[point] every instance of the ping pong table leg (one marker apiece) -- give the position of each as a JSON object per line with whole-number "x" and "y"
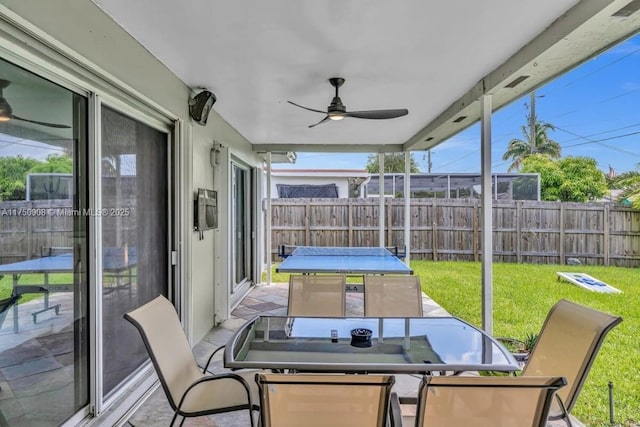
{"x": 46, "y": 294}
{"x": 15, "y": 306}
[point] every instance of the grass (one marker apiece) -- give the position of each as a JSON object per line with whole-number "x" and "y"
{"x": 6, "y": 284}
{"x": 522, "y": 296}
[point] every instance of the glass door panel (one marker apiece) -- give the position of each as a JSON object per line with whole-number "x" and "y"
{"x": 44, "y": 341}
{"x": 135, "y": 241}
{"x": 241, "y": 226}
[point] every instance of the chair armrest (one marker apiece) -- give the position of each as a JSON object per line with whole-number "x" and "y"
{"x": 204, "y": 370}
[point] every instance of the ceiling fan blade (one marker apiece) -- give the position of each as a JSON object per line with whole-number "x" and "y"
{"x": 51, "y": 125}
{"x": 377, "y": 114}
{"x": 306, "y": 108}
{"x": 320, "y": 122}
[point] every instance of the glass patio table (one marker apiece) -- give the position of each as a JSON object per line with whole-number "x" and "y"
{"x": 395, "y": 345}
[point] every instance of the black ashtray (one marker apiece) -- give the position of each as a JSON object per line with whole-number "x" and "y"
{"x": 361, "y": 337}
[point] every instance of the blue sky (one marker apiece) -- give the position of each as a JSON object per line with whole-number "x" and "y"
{"x": 594, "y": 107}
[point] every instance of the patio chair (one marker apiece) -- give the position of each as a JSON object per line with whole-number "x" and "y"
{"x": 567, "y": 345}
{"x": 289, "y": 400}
{"x": 317, "y": 295}
{"x": 454, "y": 401}
{"x": 190, "y": 392}
{"x": 392, "y": 296}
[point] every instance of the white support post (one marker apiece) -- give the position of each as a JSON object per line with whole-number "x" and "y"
{"x": 381, "y": 194}
{"x": 268, "y": 219}
{"x": 407, "y": 206}
{"x": 487, "y": 209}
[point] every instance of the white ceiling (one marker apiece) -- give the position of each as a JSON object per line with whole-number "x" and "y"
{"x": 433, "y": 58}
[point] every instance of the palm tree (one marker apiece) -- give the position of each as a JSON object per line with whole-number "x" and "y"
{"x": 629, "y": 182}
{"x": 540, "y": 143}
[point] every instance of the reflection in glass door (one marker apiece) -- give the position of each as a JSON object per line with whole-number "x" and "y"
{"x": 135, "y": 241}
{"x": 241, "y": 226}
{"x": 44, "y": 339}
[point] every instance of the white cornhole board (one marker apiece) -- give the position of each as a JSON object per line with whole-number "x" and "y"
{"x": 587, "y": 282}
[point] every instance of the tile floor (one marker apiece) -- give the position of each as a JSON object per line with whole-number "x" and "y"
{"x": 262, "y": 299}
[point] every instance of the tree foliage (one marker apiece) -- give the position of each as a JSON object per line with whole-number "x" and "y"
{"x": 629, "y": 183}
{"x": 571, "y": 179}
{"x": 540, "y": 143}
{"x": 56, "y": 163}
{"x": 393, "y": 162}
{"x": 14, "y": 170}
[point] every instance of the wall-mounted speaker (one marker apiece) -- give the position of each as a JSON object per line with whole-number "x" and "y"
{"x": 200, "y": 105}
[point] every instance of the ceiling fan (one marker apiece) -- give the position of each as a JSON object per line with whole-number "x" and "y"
{"x": 6, "y": 112}
{"x": 338, "y": 111}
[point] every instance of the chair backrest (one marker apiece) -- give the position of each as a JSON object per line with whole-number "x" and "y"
{"x": 317, "y": 295}
{"x": 567, "y": 345}
{"x": 457, "y": 401}
{"x": 288, "y": 400}
{"x": 392, "y": 296}
{"x": 168, "y": 347}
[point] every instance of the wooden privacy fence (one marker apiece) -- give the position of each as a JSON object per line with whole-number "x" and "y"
{"x": 450, "y": 229}
{"x": 28, "y": 229}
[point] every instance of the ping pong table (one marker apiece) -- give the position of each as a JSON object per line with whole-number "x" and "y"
{"x": 116, "y": 261}
{"x": 342, "y": 260}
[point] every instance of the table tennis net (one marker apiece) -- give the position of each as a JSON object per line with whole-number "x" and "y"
{"x": 337, "y": 251}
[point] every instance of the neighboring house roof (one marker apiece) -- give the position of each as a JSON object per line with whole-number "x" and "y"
{"x": 347, "y": 173}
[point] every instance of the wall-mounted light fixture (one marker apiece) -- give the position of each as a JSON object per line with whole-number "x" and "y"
{"x": 214, "y": 155}
{"x": 283, "y": 156}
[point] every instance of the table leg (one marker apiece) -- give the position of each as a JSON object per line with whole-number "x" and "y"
{"x": 46, "y": 294}
{"x": 15, "y": 306}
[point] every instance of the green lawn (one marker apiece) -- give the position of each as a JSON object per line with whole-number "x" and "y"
{"x": 523, "y": 294}
{"x": 6, "y": 283}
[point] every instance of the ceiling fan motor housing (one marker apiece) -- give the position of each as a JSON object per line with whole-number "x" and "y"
{"x": 336, "y": 106}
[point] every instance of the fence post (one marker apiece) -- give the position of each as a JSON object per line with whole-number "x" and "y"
{"x": 561, "y": 242}
{"x": 605, "y": 244}
{"x": 434, "y": 229}
{"x": 350, "y": 223}
{"x": 307, "y": 231}
{"x": 476, "y": 231}
{"x": 389, "y": 211}
{"x": 519, "y": 232}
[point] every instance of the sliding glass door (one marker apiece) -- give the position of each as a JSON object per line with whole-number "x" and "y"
{"x": 135, "y": 256}
{"x": 44, "y": 263}
{"x": 242, "y": 242}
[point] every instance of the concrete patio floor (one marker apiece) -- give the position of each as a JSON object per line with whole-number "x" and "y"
{"x": 262, "y": 299}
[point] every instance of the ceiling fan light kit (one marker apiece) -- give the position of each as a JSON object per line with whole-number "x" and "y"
{"x": 338, "y": 111}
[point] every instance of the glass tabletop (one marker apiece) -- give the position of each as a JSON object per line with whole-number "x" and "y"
{"x": 383, "y": 345}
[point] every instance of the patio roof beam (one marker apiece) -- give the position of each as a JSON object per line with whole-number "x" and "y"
{"x": 329, "y": 148}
